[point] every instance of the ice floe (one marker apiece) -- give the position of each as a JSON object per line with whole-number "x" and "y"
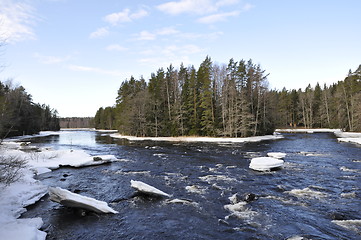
{"x": 74, "y": 200}
{"x": 182, "y": 201}
{"x": 278, "y": 155}
{"x": 147, "y": 189}
{"x": 265, "y": 163}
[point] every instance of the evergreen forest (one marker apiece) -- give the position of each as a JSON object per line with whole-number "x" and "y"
{"x": 20, "y": 116}
{"x": 227, "y": 100}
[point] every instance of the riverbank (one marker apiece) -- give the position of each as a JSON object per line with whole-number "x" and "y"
{"x": 15, "y": 197}
{"x": 199, "y": 139}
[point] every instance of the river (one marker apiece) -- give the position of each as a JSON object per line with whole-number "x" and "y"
{"x": 320, "y": 182}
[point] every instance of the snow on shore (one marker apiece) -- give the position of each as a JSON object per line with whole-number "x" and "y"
{"x": 199, "y": 139}
{"x": 308, "y": 130}
{"x": 350, "y": 137}
{"x": 26, "y": 191}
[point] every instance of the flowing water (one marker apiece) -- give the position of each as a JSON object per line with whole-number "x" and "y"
{"x": 320, "y": 183}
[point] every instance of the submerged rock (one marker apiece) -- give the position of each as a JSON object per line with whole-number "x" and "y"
{"x": 69, "y": 199}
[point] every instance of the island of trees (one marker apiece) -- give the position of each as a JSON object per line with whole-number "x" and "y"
{"x": 231, "y": 100}
{"x": 19, "y": 115}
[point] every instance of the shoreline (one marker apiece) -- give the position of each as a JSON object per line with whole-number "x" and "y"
{"x": 199, "y": 139}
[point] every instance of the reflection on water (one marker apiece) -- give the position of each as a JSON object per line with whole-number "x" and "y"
{"x": 318, "y": 187}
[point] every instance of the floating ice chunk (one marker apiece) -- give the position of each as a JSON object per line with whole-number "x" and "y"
{"x": 147, "y": 189}
{"x": 278, "y": 155}
{"x": 265, "y": 163}
{"x": 183, "y": 201}
{"x": 74, "y": 200}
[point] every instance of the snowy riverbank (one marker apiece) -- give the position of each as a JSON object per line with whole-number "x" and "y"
{"x": 351, "y": 137}
{"x": 199, "y": 139}
{"x": 15, "y": 197}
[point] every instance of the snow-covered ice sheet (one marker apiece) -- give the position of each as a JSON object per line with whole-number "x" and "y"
{"x": 145, "y": 188}
{"x": 75, "y": 200}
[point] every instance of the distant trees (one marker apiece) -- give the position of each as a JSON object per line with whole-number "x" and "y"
{"x": 213, "y": 100}
{"x": 230, "y": 100}
{"x": 335, "y": 106}
{"x": 19, "y": 115}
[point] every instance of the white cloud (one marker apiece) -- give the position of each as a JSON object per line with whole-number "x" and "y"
{"x": 145, "y": 35}
{"x": 115, "y": 47}
{"x": 247, "y": 7}
{"x": 16, "y": 21}
{"x": 199, "y": 7}
{"x": 94, "y": 70}
{"x": 51, "y": 59}
{"x": 218, "y": 17}
{"x": 187, "y": 6}
{"x": 100, "y": 33}
{"x": 125, "y": 16}
{"x": 164, "y": 55}
{"x": 167, "y": 31}
{"x": 140, "y": 14}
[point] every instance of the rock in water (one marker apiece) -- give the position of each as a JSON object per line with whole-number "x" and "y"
{"x": 69, "y": 199}
{"x": 147, "y": 189}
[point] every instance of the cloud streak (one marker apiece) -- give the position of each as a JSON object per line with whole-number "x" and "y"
{"x": 16, "y": 21}
{"x": 219, "y": 17}
{"x": 80, "y": 68}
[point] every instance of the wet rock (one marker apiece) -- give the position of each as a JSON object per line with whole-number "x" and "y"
{"x": 337, "y": 216}
{"x": 249, "y": 197}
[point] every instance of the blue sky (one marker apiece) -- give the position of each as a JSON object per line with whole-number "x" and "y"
{"x": 74, "y": 54}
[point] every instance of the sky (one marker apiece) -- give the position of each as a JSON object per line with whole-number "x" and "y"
{"x": 74, "y": 54}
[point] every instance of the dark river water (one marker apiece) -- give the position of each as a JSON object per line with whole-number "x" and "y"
{"x": 320, "y": 182}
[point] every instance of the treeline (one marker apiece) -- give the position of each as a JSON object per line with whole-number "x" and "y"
{"x": 227, "y": 100}
{"x": 335, "y": 106}
{"x": 213, "y": 100}
{"x": 19, "y": 115}
{"x": 77, "y": 122}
